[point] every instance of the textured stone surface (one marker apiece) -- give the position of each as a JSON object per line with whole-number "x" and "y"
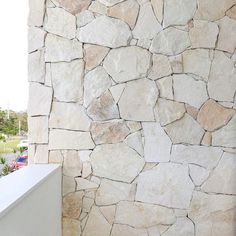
{"x": 84, "y": 17}
{"x": 142, "y": 95}
{"x": 122, "y": 69}
{"x": 98, "y": 8}
{"x": 70, "y": 227}
{"x": 68, "y": 184}
{"x": 36, "y": 12}
{"x": 36, "y": 38}
{"x": 119, "y": 33}
{"x": 84, "y": 184}
{"x": 109, "y": 213}
{"x": 116, "y": 91}
{"x": 110, "y": 2}
{"x": 157, "y": 144}
{"x": 126, "y": 230}
{"x": 158, "y": 9}
{"x": 168, "y": 184}
{"x": 165, "y": 87}
{"x": 74, "y": 6}
{"x": 116, "y": 162}
{"x": 232, "y": 12}
{"x": 198, "y": 174}
{"x": 134, "y": 140}
{"x": 72, "y": 165}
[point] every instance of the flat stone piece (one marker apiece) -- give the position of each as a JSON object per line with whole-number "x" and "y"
{"x": 68, "y": 184}
{"x": 116, "y": 91}
{"x": 170, "y": 41}
{"x": 98, "y": 8}
{"x": 207, "y": 157}
{"x": 185, "y": 130}
{"x": 84, "y": 17}
{"x": 36, "y": 38}
{"x": 145, "y": 214}
{"x": 70, "y": 227}
{"x": 147, "y": 25}
{"x": 60, "y": 22}
{"x": 36, "y": 12}
{"x": 158, "y": 8}
{"x": 168, "y": 184}
{"x": 118, "y": 64}
{"x": 126, "y": 230}
{"x": 72, "y": 165}
{"x": 65, "y": 139}
{"x": 198, "y": 174}
{"x": 109, "y": 213}
{"x": 142, "y": 95}
{"x": 41, "y": 154}
{"x": 157, "y": 144}
{"x": 165, "y": 87}
{"x": 84, "y": 184}
{"x": 74, "y": 6}
{"x": 232, "y": 12}
{"x": 119, "y": 32}
{"x": 67, "y": 80}
{"x": 110, "y": 3}
{"x": 135, "y": 141}
{"x": 116, "y": 162}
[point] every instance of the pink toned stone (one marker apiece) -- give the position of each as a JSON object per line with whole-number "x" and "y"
{"x": 206, "y": 141}
{"x": 192, "y": 111}
{"x": 74, "y": 6}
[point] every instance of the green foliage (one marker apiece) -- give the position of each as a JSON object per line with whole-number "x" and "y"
{"x": 2, "y": 160}
{"x": 7, "y": 169}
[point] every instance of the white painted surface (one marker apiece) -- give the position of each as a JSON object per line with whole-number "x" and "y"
{"x": 30, "y": 202}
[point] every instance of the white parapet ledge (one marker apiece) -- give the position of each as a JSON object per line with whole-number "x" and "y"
{"x": 17, "y": 185}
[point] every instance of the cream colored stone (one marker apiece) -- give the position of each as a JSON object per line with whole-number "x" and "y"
{"x": 207, "y": 157}
{"x": 85, "y": 155}
{"x": 70, "y": 227}
{"x": 65, "y": 139}
{"x": 206, "y": 141}
{"x": 119, "y": 33}
{"x": 62, "y": 49}
{"x": 167, "y": 184}
{"x": 116, "y": 162}
{"x": 36, "y": 38}
{"x": 60, "y": 22}
{"x": 84, "y": 184}
{"x": 198, "y": 174}
{"x": 36, "y": 12}
{"x": 67, "y": 80}
{"x": 197, "y": 62}
{"x": 232, "y": 12}
{"x": 98, "y": 8}
{"x": 141, "y": 96}
{"x": 176, "y": 63}
{"x": 144, "y": 43}
{"x": 134, "y": 126}
{"x": 96, "y": 82}
{"x": 134, "y": 140}
{"x": 158, "y": 7}
{"x": 116, "y": 91}
{"x": 126, "y": 230}
{"x": 192, "y": 111}
{"x": 68, "y": 184}
{"x": 56, "y": 157}
{"x": 72, "y": 165}
{"x": 165, "y": 87}
{"x": 74, "y": 6}
{"x": 170, "y": 41}
{"x": 185, "y": 130}
{"x": 84, "y": 17}
{"x": 48, "y": 76}
{"x": 160, "y": 67}
{"x": 147, "y": 25}
{"x": 109, "y": 213}
{"x": 122, "y": 69}
{"x": 126, "y": 10}
{"x": 41, "y": 154}
{"x": 109, "y": 132}
{"x": 145, "y": 214}
{"x": 86, "y": 170}
{"x": 87, "y": 204}
{"x": 94, "y": 55}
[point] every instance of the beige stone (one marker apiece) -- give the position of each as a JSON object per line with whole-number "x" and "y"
{"x": 36, "y": 38}
{"x": 116, "y": 91}
{"x": 207, "y": 138}
{"x": 74, "y": 6}
{"x": 36, "y": 12}
{"x": 86, "y": 170}
{"x": 126, "y": 230}
{"x": 84, "y": 184}
{"x": 158, "y": 7}
{"x": 109, "y": 132}
{"x": 109, "y": 213}
{"x": 72, "y": 165}
{"x": 70, "y": 227}
{"x": 98, "y": 8}
{"x": 68, "y": 184}
{"x": 198, "y": 174}
{"x": 41, "y": 154}
{"x": 232, "y": 12}
{"x": 110, "y": 3}
{"x": 87, "y": 204}
{"x": 84, "y": 17}
{"x": 213, "y": 116}
{"x": 55, "y": 157}
{"x": 135, "y": 141}
{"x": 176, "y": 63}
{"x": 192, "y": 111}
{"x": 165, "y": 87}
{"x": 134, "y": 126}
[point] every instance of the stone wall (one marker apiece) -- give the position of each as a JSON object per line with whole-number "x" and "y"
{"x": 137, "y": 100}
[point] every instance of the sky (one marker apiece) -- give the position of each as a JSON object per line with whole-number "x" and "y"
{"x": 13, "y": 55}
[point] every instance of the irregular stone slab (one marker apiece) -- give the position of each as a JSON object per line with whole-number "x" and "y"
{"x": 157, "y": 144}
{"x": 116, "y": 91}
{"x": 145, "y": 214}
{"x": 197, "y": 62}
{"x": 126, "y": 230}
{"x": 41, "y": 154}
{"x": 84, "y": 184}
{"x": 70, "y": 227}
{"x": 94, "y": 55}
{"x": 206, "y": 141}
{"x": 168, "y": 111}
{"x": 98, "y": 7}
{"x": 40, "y": 99}
{"x": 74, "y": 6}
{"x": 118, "y": 64}
{"x": 147, "y": 25}
{"x": 158, "y": 7}
{"x": 72, "y": 165}
{"x": 160, "y": 67}
{"x": 65, "y": 139}
{"x": 96, "y": 82}
{"x": 134, "y": 140}
{"x": 70, "y": 116}
{"x": 198, "y": 174}
{"x": 111, "y": 192}
{"x": 222, "y": 83}
{"x": 213, "y": 214}
{"x": 170, "y": 41}
{"x": 119, "y": 33}
{"x": 109, "y": 132}
{"x": 203, "y": 34}
{"x": 36, "y": 38}
{"x": 84, "y": 17}
{"x": 36, "y": 12}
{"x": 226, "y": 40}
{"x": 109, "y": 213}
{"x": 72, "y": 205}
{"x": 116, "y": 162}
{"x": 232, "y": 12}
{"x": 189, "y": 90}
{"x": 212, "y": 10}
{"x": 67, "y": 80}
{"x": 141, "y": 96}
{"x": 110, "y": 3}
{"x": 178, "y": 12}
{"x": 126, "y": 11}
{"x": 38, "y": 129}
{"x": 36, "y": 67}
{"x": 168, "y": 184}
{"x": 60, "y": 22}
{"x": 61, "y": 49}
{"x": 134, "y": 126}
{"x": 87, "y": 169}
{"x": 207, "y": 157}
{"x": 176, "y": 63}
{"x": 222, "y": 177}
{"x": 182, "y": 227}
{"x": 185, "y": 130}
{"x": 213, "y": 116}
{"x": 103, "y": 108}
{"x": 192, "y": 111}
{"x": 165, "y": 87}
{"x": 96, "y": 224}
{"x": 68, "y": 184}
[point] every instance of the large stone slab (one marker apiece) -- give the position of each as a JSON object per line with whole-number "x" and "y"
{"x": 65, "y": 139}
{"x": 198, "y": 174}
{"x": 146, "y": 215}
{"x": 36, "y": 12}
{"x": 118, "y": 64}
{"x": 135, "y": 141}
{"x": 138, "y": 100}
{"x": 72, "y": 166}
{"x": 158, "y": 8}
{"x": 126, "y": 230}
{"x": 67, "y": 80}
{"x": 84, "y": 17}
{"x": 116, "y": 162}
{"x": 157, "y": 144}
{"x": 70, "y": 227}
{"x": 105, "y": 31}
{"x": 165, "y": 87}
{"x": 168, "y": 184}
{"x": 36, "y": 38}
